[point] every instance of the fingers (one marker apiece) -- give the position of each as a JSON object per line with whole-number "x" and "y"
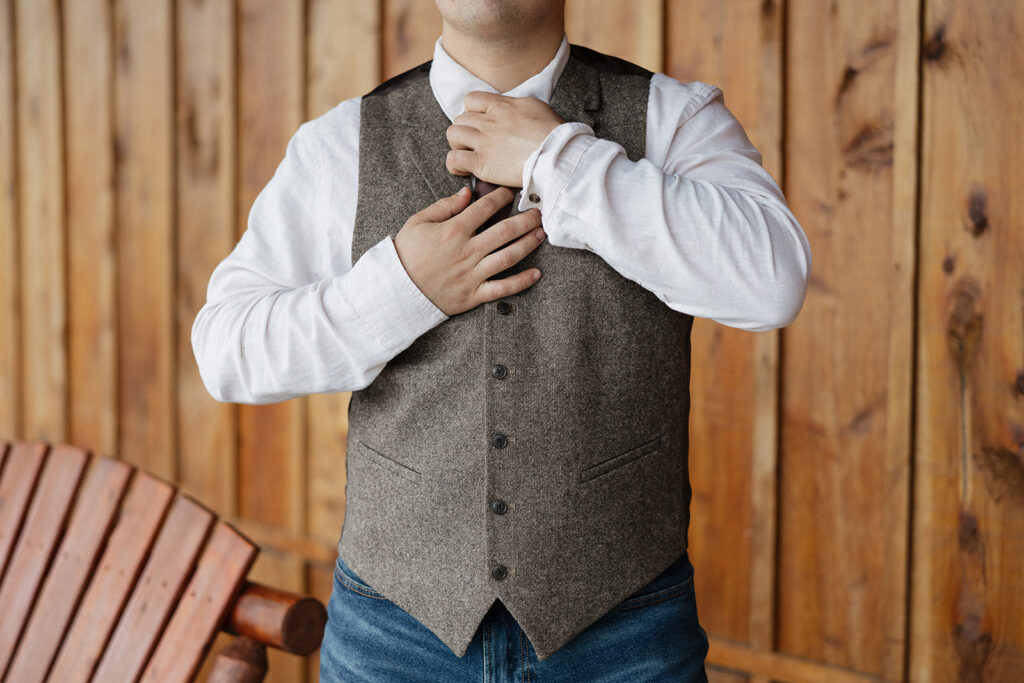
{"x": 504, "y": 259}
{"x": 479, "y": 211}
{"x": 446, "y": 207}
{"x": 489, "y": 290}
{"x": 463, "y": 137}
{"x": 460, "y": 161}
{"x": 478, "y": 100}
{"x": 505, "y": 231}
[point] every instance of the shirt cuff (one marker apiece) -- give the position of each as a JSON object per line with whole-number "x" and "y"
{"x": 386, "y": 299}
{"x": 551, "y": 166}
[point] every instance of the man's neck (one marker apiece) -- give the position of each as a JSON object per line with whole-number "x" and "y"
{"x": 503, "y": 64}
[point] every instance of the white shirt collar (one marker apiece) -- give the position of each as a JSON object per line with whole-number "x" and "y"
{"x": 451, "y": 81}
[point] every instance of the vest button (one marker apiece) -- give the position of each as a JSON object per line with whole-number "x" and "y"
{"x": 504, "y": 307}
{"x": 498, "y": 506}
{"x": 499, "y": 571}
{"x": 499, "y": 371}
{"x": 499, "y": 440}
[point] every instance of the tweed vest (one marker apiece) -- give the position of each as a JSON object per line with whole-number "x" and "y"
{"x": 533, "y": 449}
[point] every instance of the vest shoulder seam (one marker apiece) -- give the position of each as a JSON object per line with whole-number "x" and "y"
{"x": 404, "y": 79}
{"x": 608, "y": 64}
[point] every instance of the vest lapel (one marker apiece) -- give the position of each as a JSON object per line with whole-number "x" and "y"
{"x": 425, "y": 142}
{"x": 577, "y": 94}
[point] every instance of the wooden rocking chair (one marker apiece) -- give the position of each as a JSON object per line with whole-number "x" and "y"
{"x": 113, "y": 577}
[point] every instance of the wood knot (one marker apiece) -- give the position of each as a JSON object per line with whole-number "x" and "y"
{"x": 948, "y": 265}
{"x": 977, "y": 212}
{"x": 935, "y": 46}
{"x": 963, "y": 329}
{"x": 1004, "y": 472}
{"x": 968, "y": 534}
{"x": 1019, "y": 386}
{"x": 848, "y": 77}
{"x": 871, "y": 148}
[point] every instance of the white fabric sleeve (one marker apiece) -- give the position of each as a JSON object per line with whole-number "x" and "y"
{"x": 285, "y": 316}
{"x": 698, "y": 221}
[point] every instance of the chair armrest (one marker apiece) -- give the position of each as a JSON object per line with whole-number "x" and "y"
{"x": 277, "y": 618}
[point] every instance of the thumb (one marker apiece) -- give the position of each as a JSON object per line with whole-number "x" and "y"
{"x": 446, "y": 207}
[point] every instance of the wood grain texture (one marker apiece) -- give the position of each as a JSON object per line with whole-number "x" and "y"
{"x": 91, "y": 521}
{"x": 271, "y": 475}
{"x": 631, "y": 29}
{"x": 44, "y": 524}
{"x": 92, "y": 246}
{"x": 968, "y": 577}
{"x": 734, "y": 382}
{"x": 410, "y": 29}
{"x": 144, "y": 147}
{"x": 111, "y": 584}
{"x": 159, "y": 121}
{"x": 10, "y": 286}
{"x": 157, "y": 592}
{"x": 23, "y": 464}
{"x": 319, "y": 584}
{"x": 284, "y": 571}
{"x": 338, "y": 67}
{"x": 43, "y": 315}
{"x": 218, "y": 576}
{"x": 846, "y": 368}
{"x": 205, "y": 234}
{"x": 343, "y": 54}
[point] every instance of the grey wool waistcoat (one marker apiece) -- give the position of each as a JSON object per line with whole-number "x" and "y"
{"x": 533, "y": 449}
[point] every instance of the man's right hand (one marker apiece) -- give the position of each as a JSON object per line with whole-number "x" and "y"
{"x": 450, "y": 264}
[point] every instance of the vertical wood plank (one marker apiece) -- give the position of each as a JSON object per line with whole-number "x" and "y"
{"x": 968, "y": 578}
{"x": 410, "y": 28}
{"x": 734, "y": 382}
{"x": 285, "y": 571}
{"x": 847, "y": 358}
{"x": 92, "y": 255}
{"x": 41, "y": 208}
{"x": 144, "y": 144}
{"x": 270, "y": 106}
{"x": 343, "y": 52}
{"x": 630, "y": 29}
{"x": 207, "y": 429}
{"x": 10, "y": 337}
{"x": 319, "y": 584}
{"x": 343, "y": 61}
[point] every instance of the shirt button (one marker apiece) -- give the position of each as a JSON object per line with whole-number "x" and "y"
{"x": 534, "y": 198}
{"x": 504, "y": 307}
{"x": 498, "y": 506}
{"x": 499, "y": 440}
{"x": 499, "y": 571}
{"x": 499, "y": 371}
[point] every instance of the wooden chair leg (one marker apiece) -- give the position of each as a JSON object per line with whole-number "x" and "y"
{"x": 241, "y": 661}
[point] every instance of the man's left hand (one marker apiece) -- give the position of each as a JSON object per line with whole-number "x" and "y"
{"x": 496, "y": 135}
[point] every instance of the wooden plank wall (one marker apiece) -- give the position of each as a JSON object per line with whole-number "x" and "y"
{"x": 858, "y": 477}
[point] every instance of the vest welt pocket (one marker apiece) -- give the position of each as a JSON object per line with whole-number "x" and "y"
{"x": 616, "y": 461}
{"x": 387, "y": 463}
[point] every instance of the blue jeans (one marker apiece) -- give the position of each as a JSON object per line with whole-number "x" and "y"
{"x": 653, "y": 635}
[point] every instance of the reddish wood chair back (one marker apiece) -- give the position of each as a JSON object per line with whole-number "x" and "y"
{"x": 108, "y": 572}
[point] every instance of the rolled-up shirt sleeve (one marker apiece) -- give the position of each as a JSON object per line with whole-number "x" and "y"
{"x": 698, "y": 221}
{"x": 282, "y": 319}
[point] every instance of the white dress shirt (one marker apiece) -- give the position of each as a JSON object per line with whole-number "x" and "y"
{"x": 698, "y": 222}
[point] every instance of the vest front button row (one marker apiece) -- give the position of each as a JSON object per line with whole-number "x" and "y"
{"x": 499, "y": 571}
{"x": 498, "y": 506}
{"x": 499, "y": 371}
{"x": 499, "y": 440}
